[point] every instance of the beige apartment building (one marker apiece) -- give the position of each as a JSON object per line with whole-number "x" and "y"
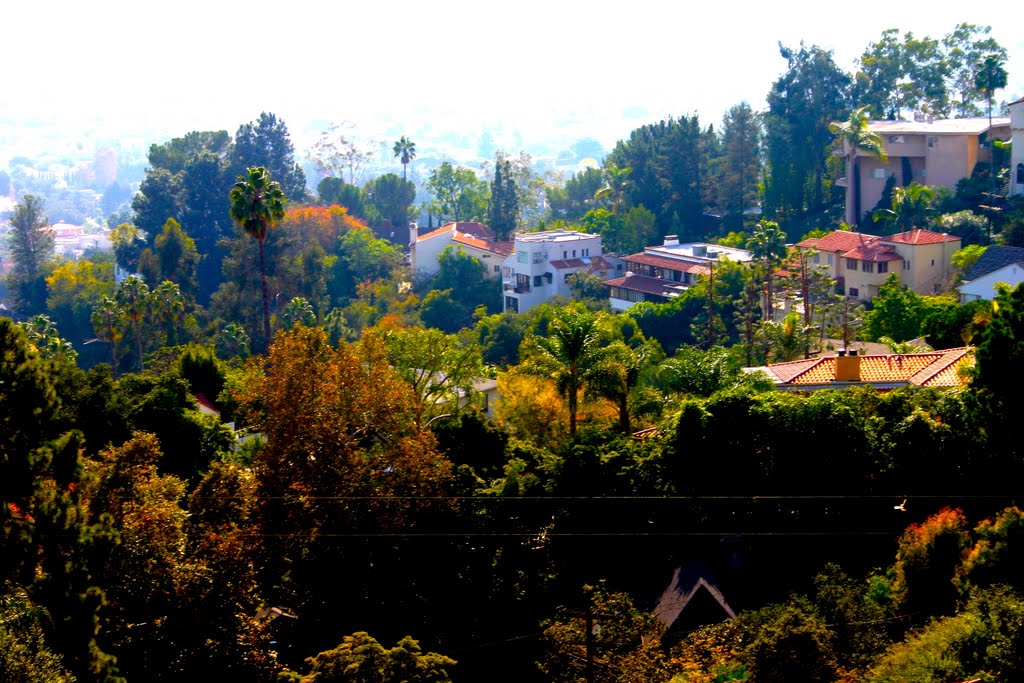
{"x": 938, "y": 153}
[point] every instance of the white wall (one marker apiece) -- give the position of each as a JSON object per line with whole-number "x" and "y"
{"x": 985, "y": 287}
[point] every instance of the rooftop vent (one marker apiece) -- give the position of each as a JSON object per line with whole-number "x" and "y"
{"x": 671, "y": 240}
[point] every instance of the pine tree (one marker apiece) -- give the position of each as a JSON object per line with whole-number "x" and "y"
{"x": 503, "y": 215}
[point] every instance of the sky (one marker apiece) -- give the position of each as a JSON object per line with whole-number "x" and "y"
{"x": 543, "y": 69}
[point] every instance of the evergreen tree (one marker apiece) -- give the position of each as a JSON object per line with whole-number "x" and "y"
{"x": 266, "y": 143}
{"x": 503, "y": 213}
{"x": 31, "y": 248}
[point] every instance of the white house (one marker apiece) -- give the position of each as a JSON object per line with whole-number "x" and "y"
{"x": 476, "y": 239}
{"x": 541, "y": 263}
{"x": 1017, "y": 154}
{"x": 997, "y": 264}
{"x": 665, "y": 271}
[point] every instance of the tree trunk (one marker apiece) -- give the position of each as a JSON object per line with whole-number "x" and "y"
{"x": 266, "y": 299}
{"x": 624, "y": 414}
{"x": 572, "y": 411}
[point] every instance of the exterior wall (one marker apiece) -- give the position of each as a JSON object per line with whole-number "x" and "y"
{"x": 425, "y": 253}
{"x": 491, "y": 261}
{"x": 866, "y": 284}
{"x": 950, "y": 158}
{"x": 930, "y": 267}
{"x": 985, "y": 287}
{"x": 1017, "y": 155}
{"x": 831, "y": 261}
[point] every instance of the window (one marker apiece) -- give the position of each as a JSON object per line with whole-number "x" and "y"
{"x": 586, "y": 252}
{"x": 497, "y": 269}
{"x": 549, "y": 277}
{"x": 523, "y": 257}
{"x": 854, "y": 292}
{"x": 933, "y": 263}
{"x": 538, "y": 280}
{"x": 851, "y": 264}
{"x": 933, "y": 141}
{"x": 626, "y": 294}
{"x": 816, "y": 259}
{"x": 906, "y": 265}
{"x": 538, "y": 257}
{"x": 565, "y": 254}
{"x": 574, "y": 253}
{"x": 883, "y": 267}
{"x": 867, "y": 267}
{"x": 1020, "y": 174}
{"x": 878, "y": 173}
{"x": 897, "y": 139}
{"x": 566, "y": 278}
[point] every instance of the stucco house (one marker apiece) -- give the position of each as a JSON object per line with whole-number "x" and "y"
{"x": 997, "y": 264}
{"x": 938, "y": 152}
{"x": 541, "y": 263}
{"x": 662, "y": 272}
{"x": 921, "y": 258}
{"x": 476, "y": 239}
{"x": 1017, "y": 154}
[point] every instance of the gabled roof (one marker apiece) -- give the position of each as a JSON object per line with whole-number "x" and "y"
{"x": 930, "y": 369}
{"x": 478, "y": 230}
{"x": 648, "y": 285}
{"x": 919, "y": 236}
{"x": 669, "y": 262}
{"x": 838, "y": 241}
{"x": 994, "y": 258}
{"x": 873, "y": 252}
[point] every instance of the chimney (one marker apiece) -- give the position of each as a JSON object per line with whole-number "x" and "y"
{"x": 414, "y": 230}
{"x": 671, "y": 240}
{"x": 848, "y": 367}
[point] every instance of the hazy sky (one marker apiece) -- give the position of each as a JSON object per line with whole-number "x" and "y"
{"x": 599, "y": 68}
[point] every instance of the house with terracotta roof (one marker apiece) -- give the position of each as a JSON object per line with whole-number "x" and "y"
{"x": 928, "y": 152}
{"x": 476, "y": 239}
{"x": 943, "y": 369}
{"x": 665, "y": 271}
{"x": 997, "y": 264}
{"x": 541, "y": 263}
{"x": 860, "y": 263}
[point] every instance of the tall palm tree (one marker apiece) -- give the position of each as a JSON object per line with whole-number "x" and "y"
{"x": 108, "y": 323}
{"x": 767, "y": 245}
{"x": 616, "y": 374}
{"x": 132, "y": 296}
{"x": 257, "y": 204}
{"x": 616, "y": 182}
{"x": 991, "y": 76}
{"x": 406, "y": 149}
{"x": 855, "y": 136}
{"x": 567, "y": 354}
{"x": 168, "y": 306}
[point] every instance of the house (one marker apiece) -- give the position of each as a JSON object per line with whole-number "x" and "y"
{"x": 476, "y": 239}
{"x": 883, "y": 372}
{"x": 541, "y": 263}
{"x": 665, "y": 271}
{"x": 1017, "y": 154}
{"x": 938, "y": 152}
{"x": 861, "y": 263}
{"x": 997, "y": 264}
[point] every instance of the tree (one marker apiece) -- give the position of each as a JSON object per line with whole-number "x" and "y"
{"x": 257, "y": 204}
{"x": 911, "y": 207}
{"x": 740, "y": 168}
{"x": 267, "y": 144}
{"x": 361, "y": 659}
{"x": 335, "y": 152}
{"x": 458, "y": 195}
{"x": 991, "y": 76}
{"x": 897, "y": 312}
{"x": 812, "y": 92}
{"x": 616, "y": 182}
{"x": 618, "y": 373}
{"x": 178, "y": 258}
{"x": 405, "y": 151}
{"x": 767, "y": 245}
{"x": 298, "y": 311}
{"x": 132, "y": 296}
{"x": 854, "y": 136}
{"x": 966, "y": 48}
{"x": 108, "y": 322}
{"x": 336, "y": 191}
{"x": 567, "y": 354}
{"x": 898, "y": 74}
{"x": 503, "y": 211}
{"x": 392, "y": 197}
{"x": 31, "y": 247}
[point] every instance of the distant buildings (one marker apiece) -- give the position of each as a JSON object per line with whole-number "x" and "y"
{"x": 541, "y": 263}
{"x": 662, "y": 272}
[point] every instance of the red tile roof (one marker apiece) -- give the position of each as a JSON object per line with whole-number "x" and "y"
{"x": 838, "y": 241}
{"x": 472, "y": 229}
{"x": 670, "y": 263}
{"x": 932, "y": 369}
{"x": 919, "y": 236}
{"x": 873, "y": 252}
{"x": 486, "y": 245}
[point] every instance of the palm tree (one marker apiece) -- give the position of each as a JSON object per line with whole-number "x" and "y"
{"x": 616, "y": 182}
{"x": 257, "y": 204}
{"x": 567, "y": 354}
{"x": 108, "y": 321}
{"x": 132, "y": 296}
{"x": 855, "y": 136}
{"x": 767, "y": 245}
{"x": 911, "y": 206}
{"x": 991, "y": 76}
{"x": 617, "y": 373}
{"x": 406, "y": 149}
{"x": 168, "y": 306}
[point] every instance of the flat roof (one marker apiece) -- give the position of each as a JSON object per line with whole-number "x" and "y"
{"x": 555, "y": 236}
{"x": 714, "y": 251}
{"x": 976, "y": 126}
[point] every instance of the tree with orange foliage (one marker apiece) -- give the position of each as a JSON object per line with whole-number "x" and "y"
{"x": 927, "y": 560}
{"x": 324, "y": 224}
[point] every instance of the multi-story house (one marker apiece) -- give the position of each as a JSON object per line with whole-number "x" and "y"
{"x": 1017, "y": 153}
{"x": 541, "y": 263}
{"x": 939, "y": 152}
{"x": 860, "y": 263}
{"x": 662, "y": 272}
{"x": 476, "y": 239}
